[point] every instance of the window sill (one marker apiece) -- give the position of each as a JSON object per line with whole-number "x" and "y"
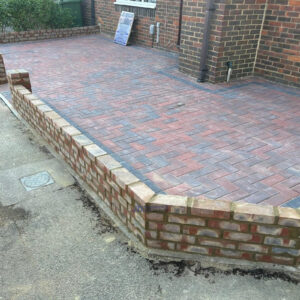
{"x": 136, "y": 4}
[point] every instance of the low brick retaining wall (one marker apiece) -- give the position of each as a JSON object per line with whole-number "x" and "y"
{"x": 3, "y": 78}
{"x": 33, "y": 35}
{"x": 175, "y": 223}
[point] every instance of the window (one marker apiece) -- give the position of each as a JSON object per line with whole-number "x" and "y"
{"x": 137, "y": 3}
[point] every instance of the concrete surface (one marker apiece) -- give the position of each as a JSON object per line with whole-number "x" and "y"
{"x": 54, "y": 244}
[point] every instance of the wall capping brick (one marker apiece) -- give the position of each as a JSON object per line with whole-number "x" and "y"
{"x": 254, "y": 213}
{"x": 213, "y": 209}
{"x": 288, "y": 217}
{"x": 34, "y": 35}
{"x": 20, "y": 78}
{"x": 174, "y": 224}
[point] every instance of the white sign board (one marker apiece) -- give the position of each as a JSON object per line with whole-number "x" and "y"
{"x": 124, "y": 28}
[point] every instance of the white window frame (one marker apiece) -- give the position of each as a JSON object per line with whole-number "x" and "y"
{"x": 136, "y": 3}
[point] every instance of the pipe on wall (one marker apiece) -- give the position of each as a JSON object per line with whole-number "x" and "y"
{"x": 180, "y": 22}
{"x": 93, "y": 16}
{"x": 210, "y": 7}
{"x": 157, "y": 32}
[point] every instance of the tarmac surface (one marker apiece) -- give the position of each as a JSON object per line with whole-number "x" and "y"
{"x": 54, "y": 244}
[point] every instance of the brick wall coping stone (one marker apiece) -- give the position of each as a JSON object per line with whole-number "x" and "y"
{"x": 171, "y": 225}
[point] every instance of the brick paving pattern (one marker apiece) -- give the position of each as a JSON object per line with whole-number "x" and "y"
{"x": 236, "y": 142}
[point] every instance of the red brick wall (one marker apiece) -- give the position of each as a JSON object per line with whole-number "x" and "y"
{"x": 279, "y": 52}
{"x": 180, "y": 224}
{"x": 34, "y": 35}
{"x": 241, "y": 27}
{"x": 235, "y": 35}
{"x": 192, "y": 35}
{"x": 166, "y": 12}
{"x": 235, "y": 29}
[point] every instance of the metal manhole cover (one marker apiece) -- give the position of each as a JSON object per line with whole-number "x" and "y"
{"x": 36, "y": 181}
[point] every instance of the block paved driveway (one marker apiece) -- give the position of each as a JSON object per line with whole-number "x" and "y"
{"x": 236, "y": 142}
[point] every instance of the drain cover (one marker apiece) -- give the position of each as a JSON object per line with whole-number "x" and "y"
{"x": 36, "y": 181}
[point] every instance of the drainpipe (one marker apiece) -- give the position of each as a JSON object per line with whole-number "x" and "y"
{"x": 157, "y": 32}
{"x": 180, "y": 22}
{"x": 260, "y": 34}
{"x": 229, "y": 71}
{"x": 210, "y": 7}
{"x": 93, "y": 17}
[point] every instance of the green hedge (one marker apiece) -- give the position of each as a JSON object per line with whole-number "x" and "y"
{"x": 23, "y": 15}
{"x": 4, "y": 17}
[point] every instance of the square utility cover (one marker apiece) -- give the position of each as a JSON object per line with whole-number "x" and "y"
{"x": 36, "y": 181}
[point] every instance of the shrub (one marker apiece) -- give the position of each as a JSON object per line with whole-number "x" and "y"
{"x": 23, "y": 14}
{"x": 37, "y": 14}
{"x": 59, "y": 17}
{"x": 4, "y": 18}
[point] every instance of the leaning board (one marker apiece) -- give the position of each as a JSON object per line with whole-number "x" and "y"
{"x": 124, "y": 28}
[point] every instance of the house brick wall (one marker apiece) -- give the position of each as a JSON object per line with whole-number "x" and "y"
{"x": 278, "y": 56}
{"x": 180, "y": 224}
{"x": 166, "y": 12}
{"x": 235, "y": 36}
{"x": 235, "y": 30}
{"x": 193, "y": 19}
{"x": 241, "y": 27}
